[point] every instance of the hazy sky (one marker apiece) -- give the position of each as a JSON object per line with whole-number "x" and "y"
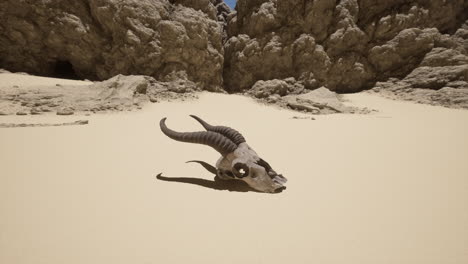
{"x": 231, "y": 3}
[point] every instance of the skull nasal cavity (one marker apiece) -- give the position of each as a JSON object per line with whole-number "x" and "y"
{"x": 64, "y": 69}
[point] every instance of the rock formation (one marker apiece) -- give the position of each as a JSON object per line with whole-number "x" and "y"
{"x": 292, "y": 95}
{"x": 98, "y": 39}
{"x": 274, "y": 47}
{"x": 346, "y": 45}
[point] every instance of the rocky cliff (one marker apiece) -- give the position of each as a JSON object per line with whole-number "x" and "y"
{"x": 345, "y": 45}
{"x": 98, "y": 39}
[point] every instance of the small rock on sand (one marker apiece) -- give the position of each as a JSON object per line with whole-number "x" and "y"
{"x": 21, "y": 113}
{"x": 81, "y": 122}
{"x": 65, "y": 111}
{"x": 303, "y": 117}
{"x": 35, "y": 111}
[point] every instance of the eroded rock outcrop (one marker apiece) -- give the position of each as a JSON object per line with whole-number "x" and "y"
{"x": 98, "y": 39}
{"x": 320, "y": 101}
{"x": 439, "y": 78}
{"x": 120, "y": 93}
{"x": 292, "y": 95}
{"x": 265, "y": 89}
{"x": 345, "y": 45}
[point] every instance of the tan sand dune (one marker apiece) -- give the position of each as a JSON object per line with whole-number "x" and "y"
{"x": 389, "y": 187}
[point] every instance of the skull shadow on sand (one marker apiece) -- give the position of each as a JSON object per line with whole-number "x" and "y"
{"x": 216, "y": 184}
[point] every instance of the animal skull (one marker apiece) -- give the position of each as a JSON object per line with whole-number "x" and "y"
{"x": 238, "y": 160}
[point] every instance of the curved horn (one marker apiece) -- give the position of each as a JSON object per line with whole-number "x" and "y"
{"x": 217, "y": 141}
{"x": 228, "y": 132}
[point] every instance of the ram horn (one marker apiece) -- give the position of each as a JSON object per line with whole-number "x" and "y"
{"x": 215, "y": 140}
{"x": 228, "y": 132}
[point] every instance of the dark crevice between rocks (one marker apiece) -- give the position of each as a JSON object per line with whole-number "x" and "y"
{"x": 365, "y": 19}
{"x": 64, "y": 70}
{"x": 461, "y": 19}
{"x": 400, "y": 72}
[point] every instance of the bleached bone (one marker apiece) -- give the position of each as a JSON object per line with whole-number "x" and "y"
{"x": 238, "y": 161}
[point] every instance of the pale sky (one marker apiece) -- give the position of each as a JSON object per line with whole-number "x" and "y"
{"x": 231, "y": 3}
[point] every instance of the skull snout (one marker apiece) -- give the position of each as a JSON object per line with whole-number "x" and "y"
{"x": 280, "y": 189}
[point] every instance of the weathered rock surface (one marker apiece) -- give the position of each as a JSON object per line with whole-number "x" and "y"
{"x": 264, "y": 89}
{"x": 223, "y": 12}
{"x": 441, "y": 78}
{"x": 98, "y": 39}
{"x": 444, "y": 86}
{"x": 120, "y": 93}
{"x": 346, "y": 45}
{"x": 318, "y": 101}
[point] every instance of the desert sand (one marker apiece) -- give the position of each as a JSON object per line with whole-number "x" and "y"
{"x": 386, "y": 187}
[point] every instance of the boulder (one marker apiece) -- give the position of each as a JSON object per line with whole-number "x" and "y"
{"x": 318, "y": 101}
{"x": 264, "y": 89}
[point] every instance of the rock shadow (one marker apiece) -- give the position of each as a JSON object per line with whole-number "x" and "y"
{"x": 64, "y": 70}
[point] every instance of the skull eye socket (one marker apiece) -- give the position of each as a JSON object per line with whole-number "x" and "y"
{"x": 240, "y": 170}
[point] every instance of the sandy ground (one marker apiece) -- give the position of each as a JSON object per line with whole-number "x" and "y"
{"x": 389, "y": 187}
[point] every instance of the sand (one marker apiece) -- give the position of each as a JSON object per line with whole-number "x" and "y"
{"x": 388, "y": 187}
